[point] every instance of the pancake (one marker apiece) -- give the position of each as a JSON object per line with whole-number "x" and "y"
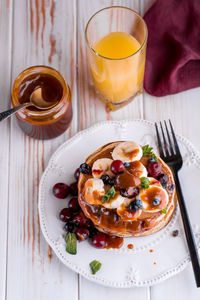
{"x": 108, "y": 220}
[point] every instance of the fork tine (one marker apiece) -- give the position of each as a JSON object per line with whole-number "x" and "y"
{"x": 159, "y": 142}
{"x": 164, "y": 139}
{"x": 169, "y": 139}
{"x": 174, "y": 138}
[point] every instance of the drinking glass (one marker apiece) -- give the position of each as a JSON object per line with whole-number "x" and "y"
{"x": 117, "y": 80}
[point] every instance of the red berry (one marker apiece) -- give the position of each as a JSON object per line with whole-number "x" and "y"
{"x": 80, "y": 220}
{"x": 117, "y": 167}
{"x": 74, "y": 205}
{"x": 74, "y": 189}
{"x": 154, "y": 169}
{"x": 69, "y": 226}
{"x": 61, "y": 190}
{"x": 99, "y": 240}
{"x": 65, "y": 214}
{"x": 81, "y": 233}
{"x": 77, "y": 174}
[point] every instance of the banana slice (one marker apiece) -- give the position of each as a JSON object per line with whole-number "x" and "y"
{"x": 128, "y": 215}
{"x": 115, "y": 202}
{"x": 94, "y": 191}
{"x": 137, "y": 169}
{"x": 102, "y": 166}
{"x": 153, "y": 181}
{"x": 127, "y": 152}
{"x": 154, "y": 199}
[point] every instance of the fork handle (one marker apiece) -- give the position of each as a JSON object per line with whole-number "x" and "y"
{"x": 188, "y": 231}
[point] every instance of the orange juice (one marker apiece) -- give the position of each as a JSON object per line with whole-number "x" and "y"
{"x": 118, "y": 69}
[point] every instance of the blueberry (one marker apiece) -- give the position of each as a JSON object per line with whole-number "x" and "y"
{"x": 135, "y": 205}
{"x": 156, "y": 201}
{"x": 123, "y": 193}
{"x": 171, "y": 187}
{"x": 111, "y": 181}
{"x": 126, "y": 164}
{"x": 85, "y": 168}
{"x": 175, "y": 232}
{"x": 93, "y": 232}
{"x": 69, "y": 227}
{"x": 151, "y": 160}
{"x": 163, "y": 180}
{"x": 105, "y": 179}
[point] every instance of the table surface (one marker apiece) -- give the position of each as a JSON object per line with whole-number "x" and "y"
{"x": 51, "y": 32}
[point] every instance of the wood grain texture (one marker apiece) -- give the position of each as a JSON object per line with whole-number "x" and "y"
{"x": 51, "y": 32}
{"x": 41, "y": 35}
{"x": 5, "y": 63}
{"x": 183, "y": 110}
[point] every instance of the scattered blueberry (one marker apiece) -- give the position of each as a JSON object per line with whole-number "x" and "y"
{"x": 93, "y": 232}
{"x": 105, "y": 179}
{"x": 69, "y": 227}
{"x": 135, "y": 205}
{"x": 126, "y": 164}
{"x": 163, "y": 180}
{"x": 171, "y": 187}
{"x": 111, "y": 181}
{"x": 175, "y": 232}
{"x": 85, "y": 168}
{"x": 151, "y": 160}
{"x": 156, "y": 201}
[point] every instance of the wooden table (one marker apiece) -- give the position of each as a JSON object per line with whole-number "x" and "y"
{"x": 52, "y": 33}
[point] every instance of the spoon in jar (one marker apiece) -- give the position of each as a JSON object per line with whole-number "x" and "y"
{"x": 36, "y": 100}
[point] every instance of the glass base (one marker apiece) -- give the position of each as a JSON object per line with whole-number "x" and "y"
{"x": 115, "y": 106}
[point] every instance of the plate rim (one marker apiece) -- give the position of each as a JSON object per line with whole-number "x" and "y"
{"x": 101, "y": 280}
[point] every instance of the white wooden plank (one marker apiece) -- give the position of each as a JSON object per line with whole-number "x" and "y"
{"x": 182, "y": 286}
{"x": 183, "y": 110}
{"x": 44, "y": 33}
{"x": 5, "y": 63}
{"x": 91, "y": 111}
{"x": 89, "y": 290}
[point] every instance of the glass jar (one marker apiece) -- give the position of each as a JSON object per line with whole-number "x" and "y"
{"x": 43, "y": 124}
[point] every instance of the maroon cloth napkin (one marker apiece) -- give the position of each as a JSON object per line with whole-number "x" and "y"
{"x": 173, "y": 47}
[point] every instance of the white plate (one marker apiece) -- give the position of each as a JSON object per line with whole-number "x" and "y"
{"x": 120, "y": 267}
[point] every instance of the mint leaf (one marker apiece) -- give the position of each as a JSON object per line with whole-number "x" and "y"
{"x": 95, "y": 266}
{"x": 154, "y": 157}
{"x": 164, "y": 210}
{"x": 144, "y": 182}
{"x": 71, "y": 243}
{"x": 147, "y": 150}
{"x": 110, "y": 194}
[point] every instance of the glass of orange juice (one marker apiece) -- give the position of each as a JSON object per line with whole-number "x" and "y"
{"x": 116, "y": 37}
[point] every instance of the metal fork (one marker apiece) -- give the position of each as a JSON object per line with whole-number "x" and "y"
{"x": 170, "y": 153}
